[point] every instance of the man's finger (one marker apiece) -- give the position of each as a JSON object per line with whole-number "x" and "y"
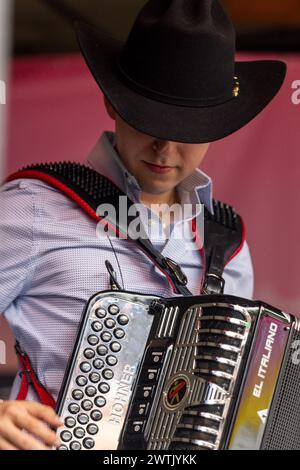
{"x": 46, "y": 413}
{"x": 4, "y": 445}
{"x": 20, "y": 439}
{"x": 37, "y": 428}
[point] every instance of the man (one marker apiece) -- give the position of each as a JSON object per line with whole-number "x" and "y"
{"x": 171, "y": 89}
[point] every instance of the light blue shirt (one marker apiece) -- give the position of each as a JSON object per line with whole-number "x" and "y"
{"x": 52, "y": 261}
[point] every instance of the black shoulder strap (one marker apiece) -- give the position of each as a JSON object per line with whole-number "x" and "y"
{"x": 91, "y": 190}
{"x": 224, "y": 235}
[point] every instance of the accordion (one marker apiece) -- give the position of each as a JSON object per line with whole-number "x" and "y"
{"x": 203, "y": 372}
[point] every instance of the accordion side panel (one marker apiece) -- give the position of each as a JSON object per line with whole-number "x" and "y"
{"x": 261, "y": 375}
{"x": 283, "y": 427}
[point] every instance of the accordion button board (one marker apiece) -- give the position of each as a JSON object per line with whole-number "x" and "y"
{"x": 108, "y": 353}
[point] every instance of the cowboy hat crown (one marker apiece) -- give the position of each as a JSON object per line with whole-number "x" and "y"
{"x": 181, "y": 52}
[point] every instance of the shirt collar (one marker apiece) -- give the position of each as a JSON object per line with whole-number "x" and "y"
{"x": 196, "y": 188}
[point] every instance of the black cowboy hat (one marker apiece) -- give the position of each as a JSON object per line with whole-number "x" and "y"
{"x": 176, "y": 77}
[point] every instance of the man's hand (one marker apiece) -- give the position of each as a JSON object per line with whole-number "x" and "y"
{"x": 24, "y": 425}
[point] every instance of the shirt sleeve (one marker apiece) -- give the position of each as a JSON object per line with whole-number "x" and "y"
{"x": 16, "y": 240}
{"x": 239, "y": 275}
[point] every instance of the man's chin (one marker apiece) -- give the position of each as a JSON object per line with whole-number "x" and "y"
{"x": 156, "y": 190}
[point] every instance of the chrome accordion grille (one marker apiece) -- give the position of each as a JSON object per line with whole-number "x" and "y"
{"x": 205, "y": 360}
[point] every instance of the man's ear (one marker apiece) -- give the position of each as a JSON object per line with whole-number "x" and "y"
{"x": 110, "y": 110}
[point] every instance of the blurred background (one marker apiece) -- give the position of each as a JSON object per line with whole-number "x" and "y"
{"x": 40, "y": 25}
{"x": 53, "y": 110}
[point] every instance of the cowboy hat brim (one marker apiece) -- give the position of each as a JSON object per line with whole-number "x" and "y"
{"x": 259, "y": 82}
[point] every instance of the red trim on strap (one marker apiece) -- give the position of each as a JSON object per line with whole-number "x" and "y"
{"x": 241, "y": 245}
{"x": 29, "y": 376}
{"x": 57, "y": 184}
{"x": 72, "y": 195}
{"x": 35, "y": 174}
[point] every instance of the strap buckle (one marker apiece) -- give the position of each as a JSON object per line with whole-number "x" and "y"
{"x": 176, "y": 270}
{"x": 27, "y": 373}
{"x": 214, "y": 284}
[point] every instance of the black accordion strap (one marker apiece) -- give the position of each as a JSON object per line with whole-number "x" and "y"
{"x": 223, "y": 231}
{"x": 224, "y": 236}
{"x": 89, "y": 189}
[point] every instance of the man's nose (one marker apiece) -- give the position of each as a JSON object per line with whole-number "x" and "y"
{"x": 164, "y": 147}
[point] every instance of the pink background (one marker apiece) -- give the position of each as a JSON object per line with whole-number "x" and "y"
{"x": 56, "y": 112}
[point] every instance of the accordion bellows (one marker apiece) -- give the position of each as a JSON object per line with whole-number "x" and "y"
{"x": 200, "y": 372}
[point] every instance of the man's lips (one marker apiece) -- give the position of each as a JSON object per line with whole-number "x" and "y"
{"x": 159, "y": 168}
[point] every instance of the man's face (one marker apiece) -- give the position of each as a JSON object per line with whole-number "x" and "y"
{"x": 138, "y": 150}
